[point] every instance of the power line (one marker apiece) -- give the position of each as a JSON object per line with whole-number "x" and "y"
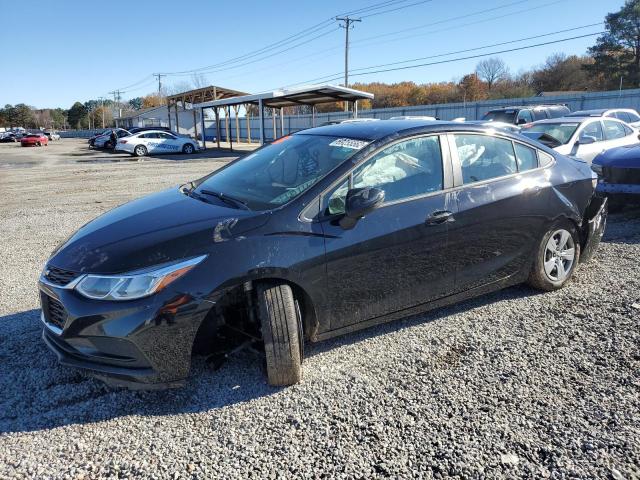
{"x": 497, "y": 17}
{"x": 397, "y": 8}
{"x": 445, "y": 20}
{"x": 464, "y": 50}
{"x": 408, "y": 67}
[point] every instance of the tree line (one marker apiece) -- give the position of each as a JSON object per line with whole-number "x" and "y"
{"x": 613, "y": 62}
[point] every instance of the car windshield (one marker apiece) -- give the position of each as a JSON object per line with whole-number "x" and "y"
{"x": 562, "y": 132}
{"x": 506, "y": 116}
{"x": 279, "y": 172}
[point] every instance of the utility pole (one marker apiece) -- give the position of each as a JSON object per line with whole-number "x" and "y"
{"x": 347, "y": 25}
{"x": 116, "y": 99}
{"x": 159, "y": 75}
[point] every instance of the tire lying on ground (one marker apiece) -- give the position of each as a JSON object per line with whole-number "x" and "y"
{"x": 557, "y": 257}
{"x": 279, "y": 320}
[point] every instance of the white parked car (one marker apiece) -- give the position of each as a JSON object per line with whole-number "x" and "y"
{"x": 51, "y": 135}
{"x": 582, "y": 137}
{"x": 155, "y": 141}
{"x": 627, "y": 115}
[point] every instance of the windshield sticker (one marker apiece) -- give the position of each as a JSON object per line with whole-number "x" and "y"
{"x": 349, "y": 143}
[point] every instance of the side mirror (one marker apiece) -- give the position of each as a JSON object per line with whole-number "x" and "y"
{"x": 585, "y": 140}
{"x": 521, "y": 121}
{"x": 358, "y": 203}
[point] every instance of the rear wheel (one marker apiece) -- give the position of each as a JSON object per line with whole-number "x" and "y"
{"x": 187, "y": 148}
{"x": 280, "y": 324}
{"x": 140, "y": 151}
{"x": 556, "y": 258}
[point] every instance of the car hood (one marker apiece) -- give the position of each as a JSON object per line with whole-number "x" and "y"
{"x": 621, "y": 157}
{"x": 155, "y": 229}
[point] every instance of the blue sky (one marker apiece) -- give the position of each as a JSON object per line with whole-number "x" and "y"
{"x": 70, "y": 50}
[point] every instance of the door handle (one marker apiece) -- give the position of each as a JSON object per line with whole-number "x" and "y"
{"x": 439, "y": 216}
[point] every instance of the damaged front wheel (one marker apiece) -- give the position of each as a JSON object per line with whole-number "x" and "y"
{"x": 281, "y": 333}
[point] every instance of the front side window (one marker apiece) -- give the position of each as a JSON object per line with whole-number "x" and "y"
{"x": 613, "y": 130}
{"x": 166, "y": 136}
{"x": 624, "y": 116}
{"x": 403, "y": 170}
{"x": 279, "y": 172}
{"x": 592, "y": 130}
{"x": 483, "y": 157}
{"x": 525, "y": 115}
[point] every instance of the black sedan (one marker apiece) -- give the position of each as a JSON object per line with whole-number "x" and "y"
{"x": 318, "y": 234}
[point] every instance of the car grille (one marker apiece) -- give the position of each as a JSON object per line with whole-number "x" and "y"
{"x": 59, "y": 276}
{"x": 54, "y": 312}
{"x": 621, "y": 175}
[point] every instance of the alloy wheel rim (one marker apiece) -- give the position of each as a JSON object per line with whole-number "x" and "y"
{"x": 559, "y": 255}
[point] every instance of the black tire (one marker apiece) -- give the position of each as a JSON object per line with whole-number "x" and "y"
{"x": 281, "y": 333}
{"x": 538, "y": 277}
{"x": 140, "y": 151}
{"x": 187, "y": 148}
{"x": 38, "y": 144}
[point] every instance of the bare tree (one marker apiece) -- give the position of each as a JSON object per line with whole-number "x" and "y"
{"x": 492, "y": 70}
{"x": 198, "y": 80}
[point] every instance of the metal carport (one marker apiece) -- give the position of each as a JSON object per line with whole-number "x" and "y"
{"x": 278, "y": 99}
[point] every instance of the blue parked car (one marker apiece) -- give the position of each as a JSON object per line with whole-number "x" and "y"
{"x": 618, "y": 172}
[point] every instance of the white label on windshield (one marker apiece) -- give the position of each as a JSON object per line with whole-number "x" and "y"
{"x": 349, "y": 143}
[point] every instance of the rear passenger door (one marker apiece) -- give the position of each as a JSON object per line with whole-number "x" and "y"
{"x": 502, "y": 204}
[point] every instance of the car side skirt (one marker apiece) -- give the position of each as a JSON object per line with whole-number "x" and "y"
{"x": 425, "y": 307}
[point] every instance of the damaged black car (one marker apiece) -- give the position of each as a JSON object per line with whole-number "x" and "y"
{"x": 317, "y": 234}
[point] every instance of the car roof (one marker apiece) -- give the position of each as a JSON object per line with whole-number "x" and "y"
{"x": 377, "y": 130}
{"x": 515, "y": 107}
{"x": 598, "y": 112}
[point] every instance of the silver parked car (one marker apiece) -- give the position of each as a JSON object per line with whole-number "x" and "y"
{"x": 627, "y": 115}
{"x": 582, "y": 137}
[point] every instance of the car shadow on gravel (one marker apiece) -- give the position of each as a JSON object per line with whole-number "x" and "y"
{"x": 36, "y": 393}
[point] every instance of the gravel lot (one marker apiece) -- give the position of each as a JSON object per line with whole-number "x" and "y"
{"x": 513, "y": 384}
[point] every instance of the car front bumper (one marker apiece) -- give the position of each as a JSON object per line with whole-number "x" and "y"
{"x": 141, "y": 344}
{"x": 618, "y": 188}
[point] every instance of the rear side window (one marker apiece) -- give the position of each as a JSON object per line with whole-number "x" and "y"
{"x": 483, "y": 157}
{"x": 624, "y": 116}
{"x": 403, "y": 170}
{"x": 633, "y": 117}
{"x": 613, "y": 130}
{"x": 526, "y": 157}
{"x": 545, "y": 158}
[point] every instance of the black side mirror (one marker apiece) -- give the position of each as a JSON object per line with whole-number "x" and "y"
{"x": 358, "y": 203}
{"x": 522, "y": 121}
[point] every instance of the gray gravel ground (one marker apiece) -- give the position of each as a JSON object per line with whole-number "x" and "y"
{"x": 513, "y": 384}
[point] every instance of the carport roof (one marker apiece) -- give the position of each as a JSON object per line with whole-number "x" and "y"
{"x": 205, "y": 94}
{"x": 308, "y": 95}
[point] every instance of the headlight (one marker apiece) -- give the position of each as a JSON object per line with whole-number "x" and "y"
{"x": 597, "y": 168}
{"x": 138, "y": 284}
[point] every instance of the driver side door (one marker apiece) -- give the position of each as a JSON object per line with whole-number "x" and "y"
{"x": 397, "y": 256}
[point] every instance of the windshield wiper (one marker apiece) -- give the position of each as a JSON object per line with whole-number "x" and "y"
{"x": 226, "y": 198}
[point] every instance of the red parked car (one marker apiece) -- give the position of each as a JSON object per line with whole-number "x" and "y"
{"x": 34, "y": 140}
